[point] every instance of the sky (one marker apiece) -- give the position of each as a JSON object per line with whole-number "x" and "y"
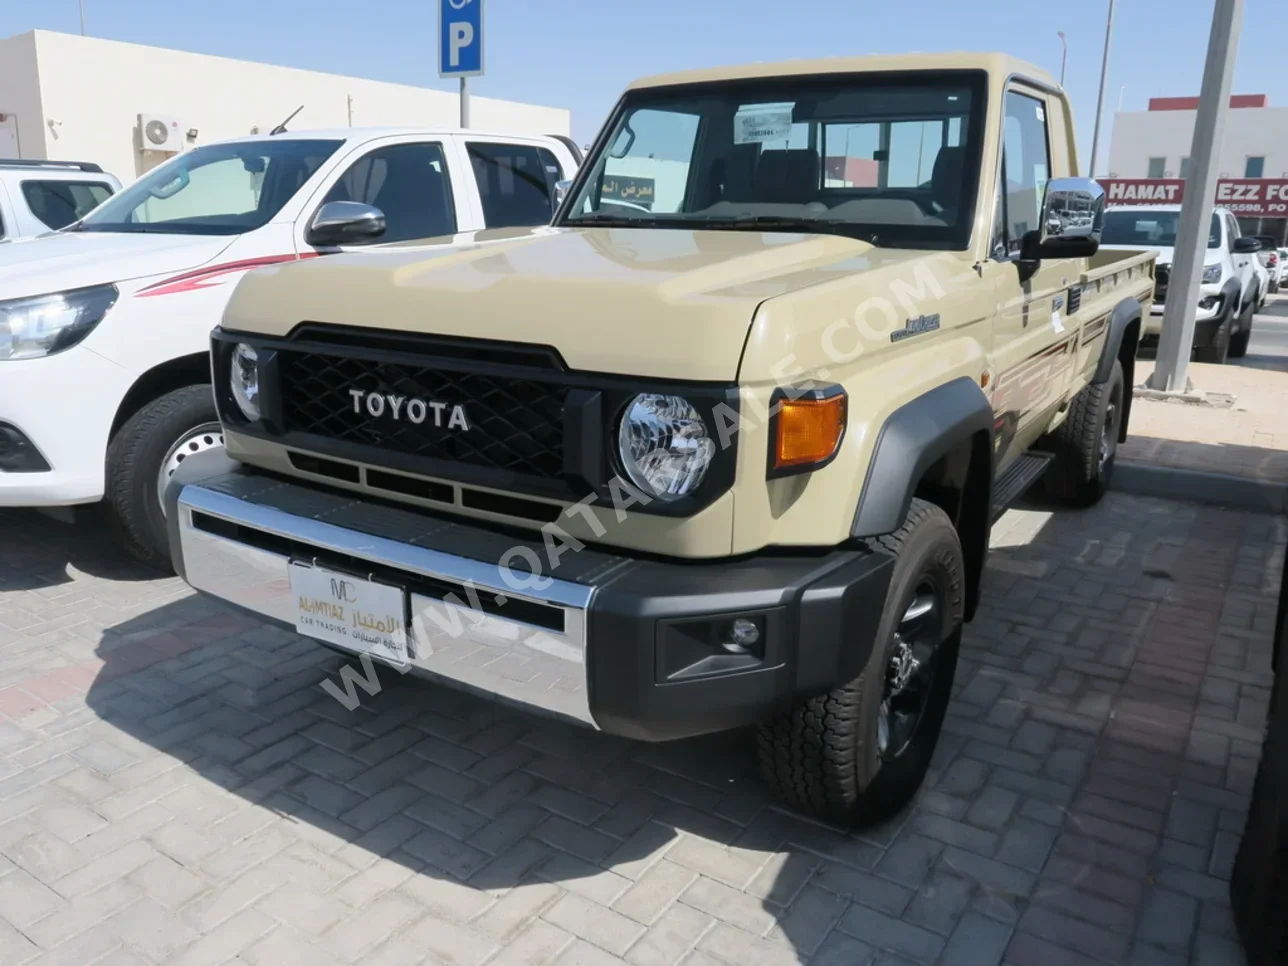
{"x": 579, "y": 54}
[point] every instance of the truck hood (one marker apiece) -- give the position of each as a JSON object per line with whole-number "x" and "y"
{"x": 668, "y": 303}
{"x": 52, "y": 263}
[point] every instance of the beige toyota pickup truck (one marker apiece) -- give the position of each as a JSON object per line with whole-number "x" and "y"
{"x": 719, "y": 447}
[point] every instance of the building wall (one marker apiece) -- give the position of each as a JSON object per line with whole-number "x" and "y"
{"x": 1141, "y": 135}
{"x": 22, "y": 132}
{"x": 95, "y": 89}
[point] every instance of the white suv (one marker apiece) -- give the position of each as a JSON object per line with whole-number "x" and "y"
{"x": 1232, "y": 287}
{"x": 37, "y": 197}
{"x": 105, "y": 325}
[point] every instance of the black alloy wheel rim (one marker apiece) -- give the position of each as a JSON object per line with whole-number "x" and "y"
{"x": 910, "y": 670}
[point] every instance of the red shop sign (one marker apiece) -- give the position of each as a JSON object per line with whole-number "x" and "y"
{"x": 1266, "y": 197}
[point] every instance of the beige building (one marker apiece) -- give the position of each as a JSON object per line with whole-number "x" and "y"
{"x": 80, "y": 98}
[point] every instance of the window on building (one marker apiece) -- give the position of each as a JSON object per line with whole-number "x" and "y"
{"x": 59, "y": 203}
{"x": 1255, "y": 168}
{"x": 516, "y": 183}
{"x": 1026, "y": 166}
{"x": 409, "y": 184}
{"x": 1157, "y": 167}
{"x": 1185, "y": 167}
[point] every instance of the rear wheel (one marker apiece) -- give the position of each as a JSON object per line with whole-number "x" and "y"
{"x": 1086, "y": 443}
{"x": 859, "y": 753}
{"x": 142, "y": 457}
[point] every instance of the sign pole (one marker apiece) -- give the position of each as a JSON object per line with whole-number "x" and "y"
{"x": 1171, "y": 372}
{"x": 460, "y": 46}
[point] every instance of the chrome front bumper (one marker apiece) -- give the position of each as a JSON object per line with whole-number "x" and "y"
{"x": 237, "y": 534}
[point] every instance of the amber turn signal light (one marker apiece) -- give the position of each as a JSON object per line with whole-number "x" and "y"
{"x": 807, "y": 430}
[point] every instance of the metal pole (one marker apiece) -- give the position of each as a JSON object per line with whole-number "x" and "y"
{"x": 1064, "y": 56}
{"x": 465, "y": 103}
{"x": 1104, "y": 77}
{"x": 1171, "y": 371}
{"x": 81, "y": 4}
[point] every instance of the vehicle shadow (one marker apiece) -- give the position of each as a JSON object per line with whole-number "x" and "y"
{"x": 475, "y": 798}
{"x": 39, "y": 552}
{"x": 490, "y": 816}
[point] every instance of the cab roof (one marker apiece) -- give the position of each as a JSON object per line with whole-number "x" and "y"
{"x": 997, "y": 65}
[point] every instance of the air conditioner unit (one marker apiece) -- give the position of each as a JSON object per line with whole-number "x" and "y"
{"x": 162, "y": 134}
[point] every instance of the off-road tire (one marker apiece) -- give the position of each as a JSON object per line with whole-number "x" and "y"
{"x": 1218, "y": 350}
{"x": 1077, "y": 475}
{"x": 820, "y": 755}
{"x": 1239, "y": 341}
{"x": 134, "y": 460}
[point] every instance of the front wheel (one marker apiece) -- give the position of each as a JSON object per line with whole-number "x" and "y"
{"x": 1239, "y": 341}
{"x": 1218, "y": 350}
{"x": 859, "y": 753}
{"x": 142, "y": 457}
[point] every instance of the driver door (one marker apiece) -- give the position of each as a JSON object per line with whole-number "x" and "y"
{"x": 1035, "y": 346}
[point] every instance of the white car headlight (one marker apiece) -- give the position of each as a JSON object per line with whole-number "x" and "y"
{"x": 665, "y": 447}
{"x": 244, "y": 377}
{"x": 44, "y": 324}
{"x": 1211, "y": 274}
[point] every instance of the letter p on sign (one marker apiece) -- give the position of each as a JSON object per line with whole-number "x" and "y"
{"x": 460, "y": 38}
{"x": 462, "y": 35}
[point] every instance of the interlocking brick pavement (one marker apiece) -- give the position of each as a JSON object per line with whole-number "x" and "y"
{"x": 175, "y": 787}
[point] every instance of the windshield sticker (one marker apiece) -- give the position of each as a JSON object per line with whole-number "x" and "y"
{"x": 1041, "y": 114}
{"x": 762, "y": 126}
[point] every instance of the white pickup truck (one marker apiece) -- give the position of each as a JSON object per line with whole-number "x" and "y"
{"x": 105, "y": 325}
{"x": 37, "y": 197}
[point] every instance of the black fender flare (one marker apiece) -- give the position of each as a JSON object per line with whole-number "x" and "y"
{"x": 909, "y": 443}
{"x": 1252, "y": 294}
{"x": 1124, "y": 314}
{"x": 1231, "y": 296}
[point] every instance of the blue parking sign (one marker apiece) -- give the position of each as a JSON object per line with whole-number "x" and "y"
{"x": 460, "y": 38}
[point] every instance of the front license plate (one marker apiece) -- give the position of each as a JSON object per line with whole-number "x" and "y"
{"x": 350, "y": 612}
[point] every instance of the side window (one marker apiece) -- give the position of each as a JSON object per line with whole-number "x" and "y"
{"x": 516, "y": 183}
{"x": 1026, "y": 166}
{"x": 59, "y": 203}
{"x": 409, "y": 183}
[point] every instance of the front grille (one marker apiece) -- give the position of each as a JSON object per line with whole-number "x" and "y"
{"x": 515, "y": 424}
{"x": 1161, "y": 275}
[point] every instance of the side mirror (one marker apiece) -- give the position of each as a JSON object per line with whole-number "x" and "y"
{"x": 345, "y": 223}
{"x": 1073, "y": 216}
{"x": 1246, "y": 246}
{"x": 561, "y": 191}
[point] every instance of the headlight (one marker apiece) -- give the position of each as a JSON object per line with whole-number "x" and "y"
{"x": 244, "y": 377}
{"x": 1211, "y": 274}
{"x": 665, "y": 447}
{"x": 45, "y": 324}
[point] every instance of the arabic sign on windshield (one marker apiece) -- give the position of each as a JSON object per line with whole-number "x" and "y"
{"x": 1265, "y": 197}
{"x": 633, "y": 190}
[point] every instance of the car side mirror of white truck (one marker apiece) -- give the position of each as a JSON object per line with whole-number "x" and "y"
{"x": 1073, "y": 216}
{"x": 345, "y": 223}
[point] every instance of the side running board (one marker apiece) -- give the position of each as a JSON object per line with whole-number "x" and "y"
{"x": 1016, "y": 480}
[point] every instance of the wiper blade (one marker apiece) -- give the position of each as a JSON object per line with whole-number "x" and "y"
{"x": 603, "y": 218}
{"x": 787, "y": 221}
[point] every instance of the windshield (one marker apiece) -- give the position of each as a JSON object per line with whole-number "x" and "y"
{"x": 893, "y": 159}
{"x": 1149, "y": 229}
{"x": 220, "y": 189}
